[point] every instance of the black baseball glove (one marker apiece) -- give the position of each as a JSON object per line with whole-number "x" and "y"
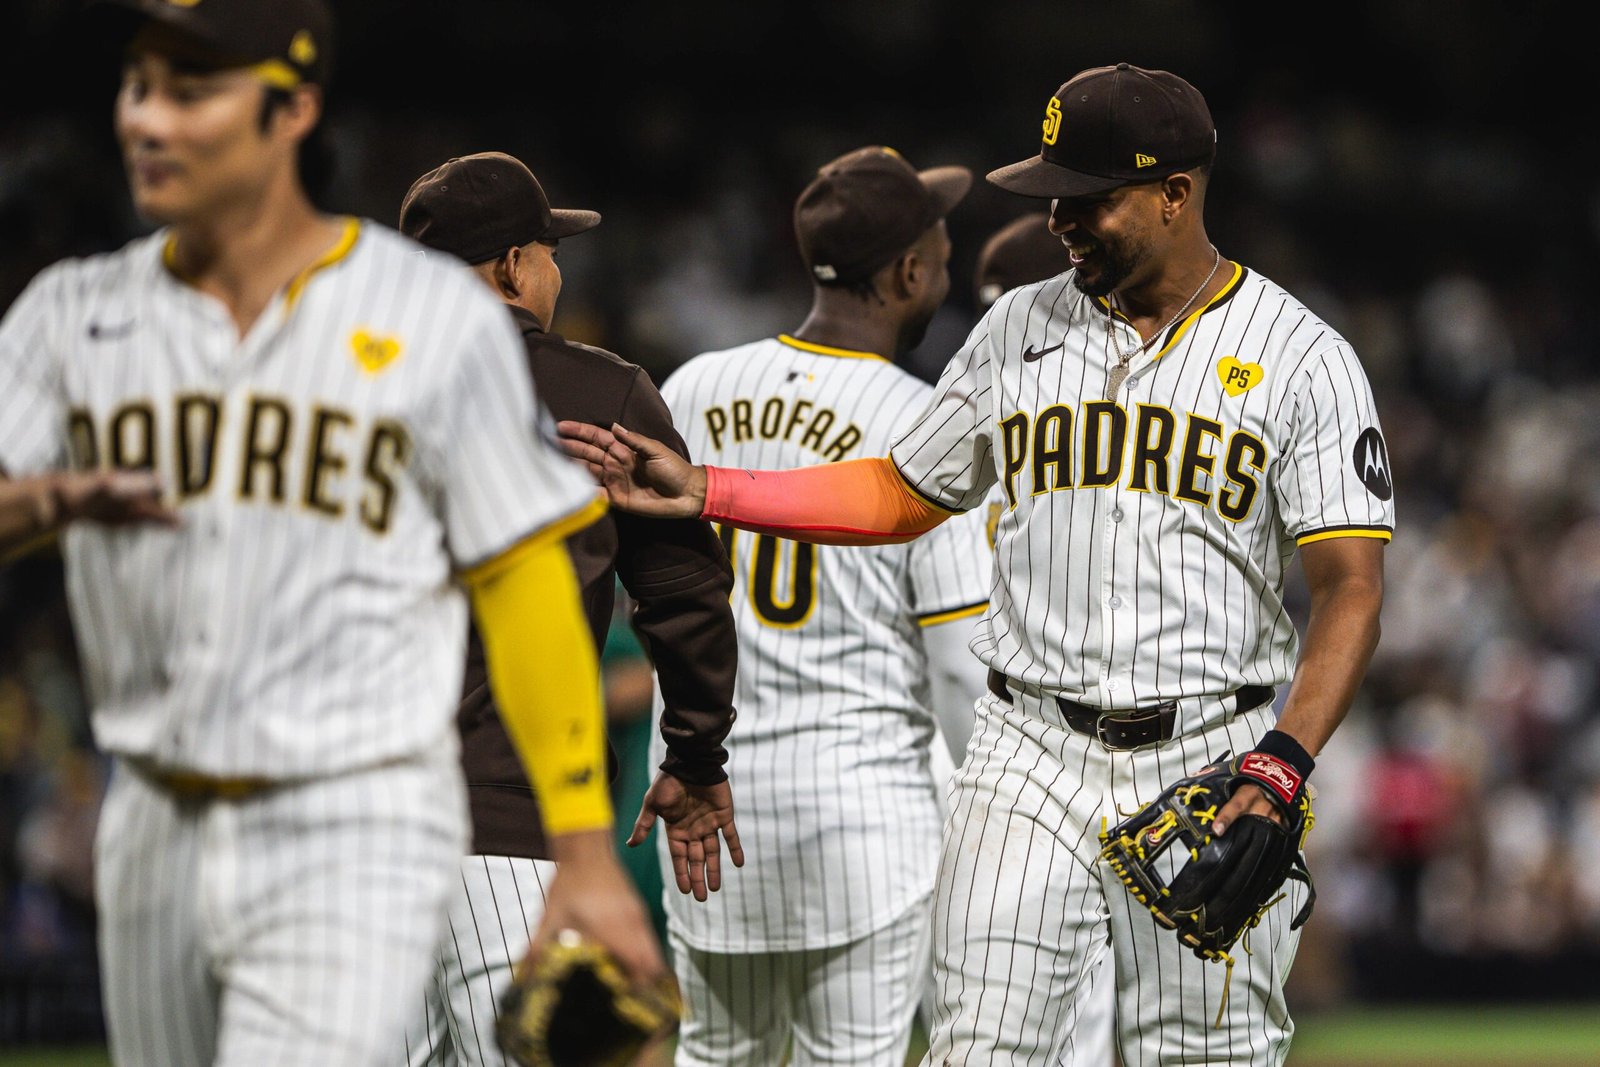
{"x": 1210, "y": 889}
{"x": 570, "y": 1005}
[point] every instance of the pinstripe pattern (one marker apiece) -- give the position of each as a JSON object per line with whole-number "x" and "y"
{"x": 1027, "y": 918}
{"x": 373, "y": 432}
{"x": 1245, "y": 430}
{"x": 231, "y": 930}
{"x": 1136, "y": 618}
{"x": 493, "y": 911}
{"x": 839, "y": 813}
{"x": 847, "y": 1004}
{"x": 359, "y": 657}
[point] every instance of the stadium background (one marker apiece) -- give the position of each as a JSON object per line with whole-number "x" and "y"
{"x": 1422, "y": 174}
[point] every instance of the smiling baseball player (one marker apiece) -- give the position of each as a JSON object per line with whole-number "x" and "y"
{"x": 346, "y": 437}
{"x": 1169, "y": 428}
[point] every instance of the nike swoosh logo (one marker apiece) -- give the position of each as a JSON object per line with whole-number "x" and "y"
{"x": 99, "y": 332}
{"x": 1030, "y": 356}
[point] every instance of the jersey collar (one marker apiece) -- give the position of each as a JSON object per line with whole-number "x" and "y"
{"x": 338, "y": 251}
{"x": 1176, "y": 331}
{"x": 825, "y": 350}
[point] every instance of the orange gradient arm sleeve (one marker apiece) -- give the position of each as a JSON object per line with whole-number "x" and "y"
{"x": 857, "y": 502}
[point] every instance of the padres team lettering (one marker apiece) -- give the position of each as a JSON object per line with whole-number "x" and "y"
{"x": 1100, "y": 445}
{"x": 779, "y": 418}
{"x": 315, "y": 457}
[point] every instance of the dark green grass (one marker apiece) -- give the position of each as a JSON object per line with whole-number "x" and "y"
{"x": 1560, "y": 1036}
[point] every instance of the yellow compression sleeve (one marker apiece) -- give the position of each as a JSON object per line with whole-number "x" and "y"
{"x": 855, "y": 502}
{"x": 545, "y": 674}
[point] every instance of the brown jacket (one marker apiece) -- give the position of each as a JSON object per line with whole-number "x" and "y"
{"x": 677, "y": 572}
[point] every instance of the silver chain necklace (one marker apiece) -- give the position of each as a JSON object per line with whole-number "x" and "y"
{"x": 1119, "y": 372}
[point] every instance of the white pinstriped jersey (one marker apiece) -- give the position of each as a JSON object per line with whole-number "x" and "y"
{"x": 1141, "y": 554}
{"x": 374, "y": 430}
{"x": 836, "y": 804}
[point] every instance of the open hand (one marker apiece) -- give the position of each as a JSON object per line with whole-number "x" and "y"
{"x": 693, "y": 816}
{"x": 638, "y": 473}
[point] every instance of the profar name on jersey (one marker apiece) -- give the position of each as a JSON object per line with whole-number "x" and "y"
{"x": 1101, "y": 446}
{"x": 780, "y": 418}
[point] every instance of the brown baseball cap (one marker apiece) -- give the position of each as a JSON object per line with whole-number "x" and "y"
{"x": 1112, "y": 126}
{"x": 865, "y": 208}
{"x": 1021, "y": 252}
{"x": 290, "y": 42}
{"x": 479, "y": 206}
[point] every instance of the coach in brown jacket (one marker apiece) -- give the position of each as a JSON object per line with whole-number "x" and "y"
{"x": 490, "y": 211}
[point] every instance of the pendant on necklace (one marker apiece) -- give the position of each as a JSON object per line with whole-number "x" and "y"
{"x": 1114, "y": 379}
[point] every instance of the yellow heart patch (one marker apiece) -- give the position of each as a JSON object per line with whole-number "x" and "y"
{"x": 374, "y": 353}
{"x": 1239, "y": 377}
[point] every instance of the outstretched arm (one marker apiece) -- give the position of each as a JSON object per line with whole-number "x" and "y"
{"x": 855, "y": 502}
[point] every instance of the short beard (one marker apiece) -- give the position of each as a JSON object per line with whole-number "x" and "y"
{"x": 1116, "y": 267}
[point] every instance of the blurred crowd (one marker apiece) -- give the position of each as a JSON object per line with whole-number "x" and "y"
{"x": 1459, "y": 805}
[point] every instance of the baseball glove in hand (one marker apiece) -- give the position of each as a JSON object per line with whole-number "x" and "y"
{"x": 1211, "y": 890}
{"x": 570, "y": 1005}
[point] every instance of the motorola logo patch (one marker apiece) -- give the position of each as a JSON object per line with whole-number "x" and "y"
{"x": 1371, "y": 459}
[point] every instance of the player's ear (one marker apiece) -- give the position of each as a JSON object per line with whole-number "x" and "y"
{"x": 1176, "y": 189}
{"x": 508, "y": 273}
{"x": 297, "y": 111}
{"x": 910, "y": 274}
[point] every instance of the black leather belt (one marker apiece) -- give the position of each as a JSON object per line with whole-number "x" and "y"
{"x": 1135, "y": 728}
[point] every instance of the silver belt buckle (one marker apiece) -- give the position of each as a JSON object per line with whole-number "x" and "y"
{"x": 1100, "y": 732}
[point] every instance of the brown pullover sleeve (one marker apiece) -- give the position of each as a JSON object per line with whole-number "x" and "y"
{"x": 678, "y": 573}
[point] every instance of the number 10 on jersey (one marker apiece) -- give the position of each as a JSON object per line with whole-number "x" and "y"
{"x": 782, "y": 577}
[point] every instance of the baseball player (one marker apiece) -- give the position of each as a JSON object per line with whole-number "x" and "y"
{"x": 822, "y": 940}
{"x": 346, "y": 443}
{"x": 1169, "y": 427}
{"x": 489, "y": 210}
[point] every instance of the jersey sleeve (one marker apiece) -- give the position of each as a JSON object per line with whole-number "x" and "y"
{"x": 33, "y": 418}
{"x": 945, "y": 453}
{"x": 500, "y": 476}
{"x": 952, "y": 569}
{"x": 1334, "y": 479}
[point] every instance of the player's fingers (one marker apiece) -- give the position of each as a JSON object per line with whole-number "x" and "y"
{"x": 586, "y": 432}
{"x": 680, "y": 863}
{"x": 713, "y": 853}
{"x": 647, "y": 447}
{"x": 697, "y": 869}
{"x": 1230, "y": 811}
{"x": 587, "y": 454}
{"x": 642, "y": 825}
{"x": 730, "y": 834}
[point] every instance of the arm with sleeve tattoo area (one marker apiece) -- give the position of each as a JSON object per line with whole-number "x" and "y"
{"x": 853, "y": 502}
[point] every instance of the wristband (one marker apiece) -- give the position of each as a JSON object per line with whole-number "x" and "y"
{"x": 1280, "y": 764}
